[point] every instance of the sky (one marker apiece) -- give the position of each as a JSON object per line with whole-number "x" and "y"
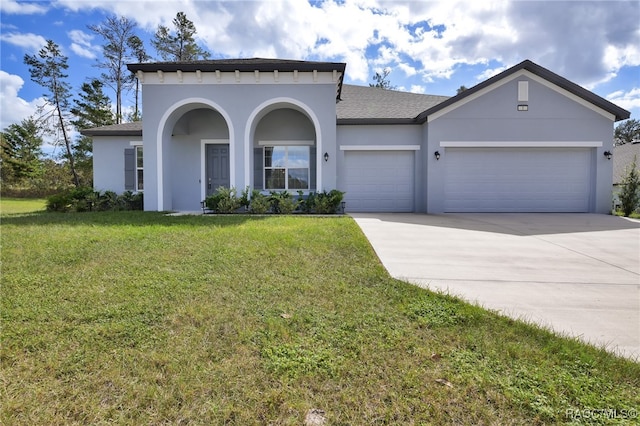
{"x": 429, "y": 47}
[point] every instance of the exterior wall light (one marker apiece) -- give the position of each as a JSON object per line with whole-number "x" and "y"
{"x": 326, "y": 156}
{"x": 437, "y": 155}
{"x": 608, "y": 154}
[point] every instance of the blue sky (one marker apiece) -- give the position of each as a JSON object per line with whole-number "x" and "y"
{"x": 429, "y": 46}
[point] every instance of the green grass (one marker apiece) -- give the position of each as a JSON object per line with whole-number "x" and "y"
{"x": 634, "y": 215}
{"x": 139, "y": 318}
{"x": 21, "y": 205}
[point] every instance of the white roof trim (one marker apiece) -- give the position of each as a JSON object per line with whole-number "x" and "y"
{"x": 520, "y": 144}
{"x": 512, "y": 77}
{"x": 569, "y": 95}
{"x": 244, "y": 77}
{"x": 379, "y": 147}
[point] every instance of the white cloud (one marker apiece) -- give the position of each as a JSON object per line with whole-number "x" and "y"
{"x": 81, "y": 44}
{"x": 627, "y": 100}
{"x": 587, "y": 42}
{"x": 13, "y": 108}
{"x": 15, "y": 8}
{"x": 29, "y": 41}
{"x": 489, "y": 73}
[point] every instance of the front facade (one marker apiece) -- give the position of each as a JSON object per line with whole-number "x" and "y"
{"x": 526, "y": 140}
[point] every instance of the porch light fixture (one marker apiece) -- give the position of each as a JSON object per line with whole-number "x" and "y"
{"x": 326, "y": 156}
{"x": 608, "y": 154}
{"x": 437, "y": 155}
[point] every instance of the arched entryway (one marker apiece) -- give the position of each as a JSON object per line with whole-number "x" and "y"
{"x": 196, "y": 156}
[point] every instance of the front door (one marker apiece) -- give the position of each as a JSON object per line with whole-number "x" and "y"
{"x": 217, "y": 167}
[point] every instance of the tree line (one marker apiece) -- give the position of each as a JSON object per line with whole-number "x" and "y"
{"x": 25, "y": 170}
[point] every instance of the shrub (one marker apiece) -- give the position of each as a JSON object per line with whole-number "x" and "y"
{"x": 306, "y": 204}
{"x": 630, "y": 193}
{"x": 244, "y": 198}
{"x": 132, "y": 201}
{"x": 107, "y": 201}
{"x": 224, "y": 200}
{"x": 59, "y": 202}
{"x": 328, "y": 202}
{"x": 85, "y": 199}
{"x": 259, "y": 203}
{"x": 320, "y": 202}
{"x": 282, "y": 202}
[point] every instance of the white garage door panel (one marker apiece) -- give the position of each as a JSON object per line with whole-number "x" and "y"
{"x": 517, "y": 179}
{"x": 379, "y": 181}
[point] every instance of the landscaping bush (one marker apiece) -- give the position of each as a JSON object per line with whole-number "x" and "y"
{"x": 85, "y": 199}
{"x": 282, "y": 202}
{"x": 59, "y": 202}
{"x": 226, "y": 200}
{"x": 630, "y": 193}
{"x": 306, "y": 204}
{"x": 259, "y": 203}
{"x": 328, "y": 202}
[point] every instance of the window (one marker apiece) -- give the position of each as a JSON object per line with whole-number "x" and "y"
{"x": 139, "y": 174}
{"x": 286, "y": 167}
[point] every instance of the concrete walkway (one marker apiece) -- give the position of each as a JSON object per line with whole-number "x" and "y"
{"x": 577, "y": 274}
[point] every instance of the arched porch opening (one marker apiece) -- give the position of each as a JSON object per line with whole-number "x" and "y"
{"x": 284, "y": 147}
{"x": 195, "y": 156}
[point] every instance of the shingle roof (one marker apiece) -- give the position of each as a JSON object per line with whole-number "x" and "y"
{"x": 622, "y": 159}
{"x": 123, "y": 129}
{"x": 359, "y": 105}
{"x": 362, "y": 105}
{"x": 587, "y": 95}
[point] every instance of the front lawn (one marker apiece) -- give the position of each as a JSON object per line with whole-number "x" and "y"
{"x": 140, "y": 318}
{"x": 21, "y": 205}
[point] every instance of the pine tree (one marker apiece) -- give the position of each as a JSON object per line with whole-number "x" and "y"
{"x": 21, "y": 151}
{"x": 91, "y": 109}
{"x": 137, "y": 49}
{"x": 382, "y": 80}
{"x": 117, "y": 33}
{"x": 181, "y": 46}
{"x": 47, "y": 69}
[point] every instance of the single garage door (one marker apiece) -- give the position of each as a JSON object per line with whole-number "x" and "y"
{"x": 517, "y": 179}
{"x": 379, "y": 181}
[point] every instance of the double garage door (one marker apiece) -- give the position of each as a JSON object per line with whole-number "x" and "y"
{"x": 517, "y": 179}
{"x": 475, "y": 180}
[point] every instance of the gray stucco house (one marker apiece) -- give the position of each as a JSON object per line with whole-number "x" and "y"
{"x": 525, "y": 140}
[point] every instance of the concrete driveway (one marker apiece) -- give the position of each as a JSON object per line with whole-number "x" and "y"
{"x": 577, "y": 274}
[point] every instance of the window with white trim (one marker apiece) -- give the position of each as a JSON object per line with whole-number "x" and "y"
{"x": 139, "y": 169}
{"x": 286, "y": 167}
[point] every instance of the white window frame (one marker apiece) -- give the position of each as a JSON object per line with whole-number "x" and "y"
{"x": 139, "y": 154}
{"x": 286, "y": 168}
{"x": 135, "y": 145}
